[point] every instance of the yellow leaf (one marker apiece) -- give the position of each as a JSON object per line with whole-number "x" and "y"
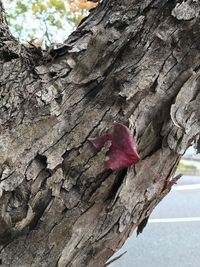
{"x": 35, "y": 42}
{"x": 77, "y": 5}
{"x": 87, "y": 5}
{"x": 35, "y": 8}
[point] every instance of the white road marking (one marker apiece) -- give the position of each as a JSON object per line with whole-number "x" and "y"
{"x": 186, "y": 187}
{"x": 172, "y": 220}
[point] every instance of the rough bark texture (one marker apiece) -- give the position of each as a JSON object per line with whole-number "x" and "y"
{"x": 134, "y": 62}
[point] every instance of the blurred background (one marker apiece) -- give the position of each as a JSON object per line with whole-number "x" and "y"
{"x": 51, "y": 21}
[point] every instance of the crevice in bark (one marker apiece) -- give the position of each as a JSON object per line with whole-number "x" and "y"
{"x": 119, "y": 179}
{"x": 8, "y": 55}
{"x": 39, "y": 208}
{"x": 142, "y": 225}
{"x": 42, "y": 159}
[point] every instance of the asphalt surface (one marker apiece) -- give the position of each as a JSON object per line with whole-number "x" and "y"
{"x": 172, "y": 236}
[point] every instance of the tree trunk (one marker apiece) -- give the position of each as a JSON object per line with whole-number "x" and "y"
{"x": 133, "y": 62}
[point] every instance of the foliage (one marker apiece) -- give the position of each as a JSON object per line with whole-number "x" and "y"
{"x": 51, "y": 20}
{"x": 186, "y": 166}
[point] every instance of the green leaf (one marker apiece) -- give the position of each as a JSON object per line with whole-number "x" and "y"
{"x": 22, "y": 8}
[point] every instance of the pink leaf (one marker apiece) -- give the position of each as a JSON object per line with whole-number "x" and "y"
{"x": 122, "y": 152}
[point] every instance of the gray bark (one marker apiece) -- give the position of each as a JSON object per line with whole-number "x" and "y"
{"x": 134, "y": 62}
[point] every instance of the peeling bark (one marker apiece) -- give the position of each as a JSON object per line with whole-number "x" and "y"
{"x": 134, "y": 62}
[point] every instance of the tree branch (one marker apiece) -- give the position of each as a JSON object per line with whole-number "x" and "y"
{"x": 3, "y": 20}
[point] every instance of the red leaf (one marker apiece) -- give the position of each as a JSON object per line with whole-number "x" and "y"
{"x": 122, "y": 152}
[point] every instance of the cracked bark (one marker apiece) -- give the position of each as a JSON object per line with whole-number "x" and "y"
{"x": 134, "y": 62}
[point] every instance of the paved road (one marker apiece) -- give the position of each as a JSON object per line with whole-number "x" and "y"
{"x": 172, "y": 237}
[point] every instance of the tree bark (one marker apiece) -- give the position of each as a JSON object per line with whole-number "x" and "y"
{"x": 133, "y": 62}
